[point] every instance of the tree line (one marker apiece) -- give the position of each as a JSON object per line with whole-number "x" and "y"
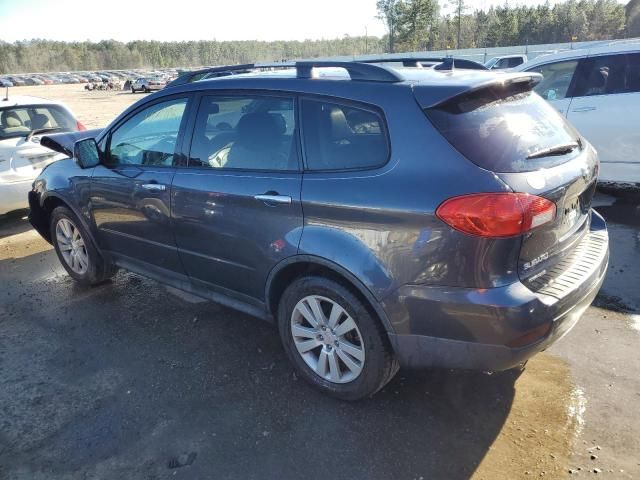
{"x": 412, "y": 25}
{"x": 421, "y": 24}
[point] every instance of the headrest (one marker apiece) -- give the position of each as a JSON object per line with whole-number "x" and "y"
{"x": 40, "y": 120}
{"x": 258, "y": 128}
{"x": 11, "y": 119}
{"x": 281, "y": 122}
{"x": 338, "y": 124}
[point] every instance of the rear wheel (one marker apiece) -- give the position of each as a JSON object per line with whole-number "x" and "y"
{"x": 333, "y": 340}
{"x": 76, "y": 251}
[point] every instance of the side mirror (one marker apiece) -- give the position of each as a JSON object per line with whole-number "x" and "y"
{"x": 86, "y": 153}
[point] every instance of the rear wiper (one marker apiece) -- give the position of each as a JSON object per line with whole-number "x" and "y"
{"x": 557, "y": 150}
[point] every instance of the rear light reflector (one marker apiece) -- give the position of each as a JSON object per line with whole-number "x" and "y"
{"x": 80, "y": 126}
{"x": 496, "y": 215}
{"x": 531, "y": 336}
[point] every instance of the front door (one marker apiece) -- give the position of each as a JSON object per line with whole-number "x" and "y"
{"x": 236, "y": 207}
{"x": 131, "y": 189}
{"x": 606, "y": 110}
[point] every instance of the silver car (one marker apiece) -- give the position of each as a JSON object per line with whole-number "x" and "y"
{"x": 147, "y": 84}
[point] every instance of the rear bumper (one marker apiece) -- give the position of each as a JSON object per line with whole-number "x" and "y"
{"x": 490, "y": 329}
{"x": 13, "y": 196}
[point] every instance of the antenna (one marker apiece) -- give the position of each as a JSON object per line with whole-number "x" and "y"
{"x": 6, "y": 96}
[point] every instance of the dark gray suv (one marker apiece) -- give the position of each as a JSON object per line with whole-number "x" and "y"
{"x": 379, "y": 217}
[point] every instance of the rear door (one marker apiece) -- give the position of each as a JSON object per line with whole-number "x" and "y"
{"x": 130, "y": 189}
{"x": 606, "y": 110}
{"x": 236, "y": 207}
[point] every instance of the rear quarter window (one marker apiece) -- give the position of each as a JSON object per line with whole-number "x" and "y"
{"x": 343, "y": 137}
{"x": 498, "y": 128}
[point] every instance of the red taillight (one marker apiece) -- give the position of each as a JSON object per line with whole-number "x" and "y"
{"x": 496, "y": 214}
{"x": 80, "y": 126}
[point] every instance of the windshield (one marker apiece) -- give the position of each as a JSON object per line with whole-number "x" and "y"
{"x": 506, "y": 130}
{"x": 21, "y": 121}
{"x": 491, "y": 62}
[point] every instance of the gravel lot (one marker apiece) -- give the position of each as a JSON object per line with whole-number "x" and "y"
{"x": 134, "y": 380}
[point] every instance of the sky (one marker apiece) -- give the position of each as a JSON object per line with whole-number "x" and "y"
{"x": 174, "y": 20}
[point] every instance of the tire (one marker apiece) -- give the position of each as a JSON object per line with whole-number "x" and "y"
{"x": 339, "y": 377}
{"x": 89, "y": 267}
{"x": 133, "y": 90}
{"x": 146, "y": 90}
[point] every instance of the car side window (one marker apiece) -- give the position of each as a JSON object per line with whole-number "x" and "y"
{"x": 149, "y": 137}
{"x": 514, "y": 62}
{"x": 342, "y": 137}
{"x": 251, "y": 132}
{"x": 556, "y": 79}
{"x": 632, "y": 78}
{"x": 603, "y": 75}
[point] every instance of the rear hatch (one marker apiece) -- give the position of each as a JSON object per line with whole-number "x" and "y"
{"x": 22, "y": 160}
{"x": 508, "y": 129}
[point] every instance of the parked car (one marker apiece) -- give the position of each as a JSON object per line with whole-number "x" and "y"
{"x": 45, "y": 79}
{"x": 17, "y": 81}
{"x": 598, "y": 90}
{"x": 33, "y": 81}
{"x": 147, "y": 84}
{"x": 4, "y": 82}
{"x": 380, "y": 217}
{"x": 505, "y": 62}
{"x": 22, "y": 121}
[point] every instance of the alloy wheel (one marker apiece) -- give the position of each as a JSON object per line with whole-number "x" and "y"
{"x": 72, "y": 246}
{"x": 327, "y": 339}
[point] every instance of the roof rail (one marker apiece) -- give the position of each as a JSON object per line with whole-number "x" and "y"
{"x": 418, "y": 61}
{"x": 304, "y": 69}
{"x": 223, "y": 71}
{"x": 356, "y": 70}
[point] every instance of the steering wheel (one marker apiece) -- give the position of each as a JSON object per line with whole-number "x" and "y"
{"x": 125, "y": 150}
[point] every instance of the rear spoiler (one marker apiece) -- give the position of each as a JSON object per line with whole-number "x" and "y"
{"x": 432, "y": 95}
{"x": 64, "y": 142}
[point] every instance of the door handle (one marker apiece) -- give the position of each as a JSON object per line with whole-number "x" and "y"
{"x": 273, "y": 199}
{"x": 154, "y": 187}
{"x": 583, "y": 109}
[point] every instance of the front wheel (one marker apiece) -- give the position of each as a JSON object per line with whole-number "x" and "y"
{"x": 333, "y": 340}
{"x": 75, "y": 249}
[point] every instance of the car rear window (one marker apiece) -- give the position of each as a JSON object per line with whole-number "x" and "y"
{"x": 21, "y": 121}
{"x": 498, "y": 128}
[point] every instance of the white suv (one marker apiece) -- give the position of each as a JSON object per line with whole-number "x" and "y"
{"x": 22, "y": 158}
{"x": 598, "y": 90}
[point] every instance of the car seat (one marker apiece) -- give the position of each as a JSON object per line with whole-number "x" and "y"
{"x": 258, "y": 144}
{"x": 40, "y": 120}
{"x": 11, "y": 124}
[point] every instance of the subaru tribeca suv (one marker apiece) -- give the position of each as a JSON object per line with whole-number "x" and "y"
{"x": 379, "y": 217}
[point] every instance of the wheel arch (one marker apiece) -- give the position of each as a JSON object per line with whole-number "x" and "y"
{"x": 294, "y": 267}
{"x": 41, "y": 210}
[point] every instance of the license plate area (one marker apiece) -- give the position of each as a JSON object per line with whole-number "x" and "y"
{"x": 570, "y": 212}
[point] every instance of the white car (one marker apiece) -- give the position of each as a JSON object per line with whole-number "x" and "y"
{"x": 22, "y": 121}
{"x": 505, "y": 62}
{"x": 598, "y": 90}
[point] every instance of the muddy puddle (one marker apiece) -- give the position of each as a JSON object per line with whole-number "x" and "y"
{"x": 537, "y": 437}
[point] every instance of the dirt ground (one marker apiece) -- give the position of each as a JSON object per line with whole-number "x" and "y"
{"x": 134, "y": 380}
